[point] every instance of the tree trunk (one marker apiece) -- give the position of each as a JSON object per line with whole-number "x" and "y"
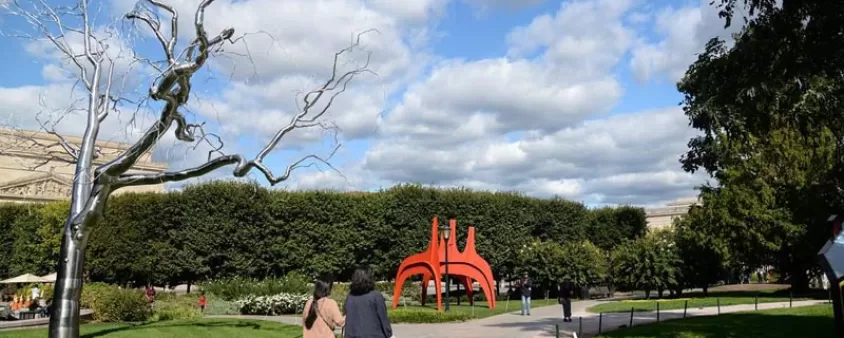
{"x": 660, "y": 291}
{"x": 706, "y": 290}
{"x": 647, "y": 294}
{"x": 189, "y": 287}
{"x": 64, "y": 322}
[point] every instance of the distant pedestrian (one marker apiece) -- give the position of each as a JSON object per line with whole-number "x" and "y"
{"x": 202, "y": 302}
{"x": 566, "y": 289}
{"x": 150, "y": 293}
{"x": 366, "y": 309}
{"x": 526, "y": 287}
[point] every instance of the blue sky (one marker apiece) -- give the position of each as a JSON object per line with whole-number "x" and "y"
{"x": 569, "y": 98}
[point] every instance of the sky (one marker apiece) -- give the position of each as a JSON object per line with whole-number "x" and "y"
{"x": 572, "y": 98}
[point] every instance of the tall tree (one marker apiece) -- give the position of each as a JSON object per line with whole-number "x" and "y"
{"x": 770, "y": 113}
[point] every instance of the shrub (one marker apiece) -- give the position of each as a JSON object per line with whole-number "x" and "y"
{"x": 280, "y": 304}
{"x": 47, "y": 291}
{"x": 238, "y": 287}
{"x": 176, "y": 312}
{"x": 120, "y": 305}
{"x": 91, "y": 292}
{"x": 425, "y": 316}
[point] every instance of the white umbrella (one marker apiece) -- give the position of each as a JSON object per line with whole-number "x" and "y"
{"x": 51, "y": 278}
{"x": 23, "y": 279}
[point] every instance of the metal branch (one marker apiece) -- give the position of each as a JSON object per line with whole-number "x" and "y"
{"x": 155, "y": 27}
{"x": 242, "y": 167}
{"x": 299, "y": 121}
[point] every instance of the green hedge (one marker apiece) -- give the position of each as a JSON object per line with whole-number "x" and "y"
{"x": 225, "y": 229}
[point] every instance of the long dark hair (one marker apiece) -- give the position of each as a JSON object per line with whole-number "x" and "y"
{"x": 362, "y": 282}
{"x": 322, "y": 289}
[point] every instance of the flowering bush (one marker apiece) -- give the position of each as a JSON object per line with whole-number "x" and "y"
{"x": 240, "y": 287}
{"x": 280, "y": 304}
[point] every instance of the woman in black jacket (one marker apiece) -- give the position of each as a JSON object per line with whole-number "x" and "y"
{"x": 366, "y": 309}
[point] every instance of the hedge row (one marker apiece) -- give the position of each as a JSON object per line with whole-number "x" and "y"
{"x": 224, "y": 229}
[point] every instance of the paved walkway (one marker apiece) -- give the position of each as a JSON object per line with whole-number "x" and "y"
{"x": 37, "y": 322}
{"x": 542, "y": 321}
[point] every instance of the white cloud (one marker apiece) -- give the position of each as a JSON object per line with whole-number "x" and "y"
{"x": 683, "y": 33}
{"x": 621, "y": 159}
{"x": 468, "y": 100}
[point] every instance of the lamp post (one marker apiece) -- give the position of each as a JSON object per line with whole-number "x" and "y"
{"x": 446, "y": 235}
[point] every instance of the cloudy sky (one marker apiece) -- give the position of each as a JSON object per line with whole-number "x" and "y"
{"x": 574, "y": 98}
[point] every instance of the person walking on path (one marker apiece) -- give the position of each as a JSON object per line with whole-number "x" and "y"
{"x": 366, "y": 309}
{"x": 322, "y": 314}
{"x": 526, "y": 287}
{"x": 565, "y": 298}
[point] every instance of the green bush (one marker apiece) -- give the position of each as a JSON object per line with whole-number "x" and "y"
{"x": 120, "y": 305}
{"x": 92, "y": 292}
{"x": 236, "y": 288}
{"x": 177, "y": 312}
{"x": 425, "y": 316}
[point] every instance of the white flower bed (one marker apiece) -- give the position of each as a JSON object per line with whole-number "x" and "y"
{"x": 279, "y": 304}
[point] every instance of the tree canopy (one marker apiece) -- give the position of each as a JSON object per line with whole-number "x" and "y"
{"x": 769, "y": 109}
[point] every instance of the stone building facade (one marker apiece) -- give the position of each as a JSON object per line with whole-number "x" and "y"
{"x": 35, "y": 168}
{"x": 661, "y": 217}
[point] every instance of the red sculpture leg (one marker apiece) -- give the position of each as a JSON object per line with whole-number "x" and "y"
{"x": 426, "y": 280}
{"x": 414, "y": 270}
{"x": 470, "y": 289}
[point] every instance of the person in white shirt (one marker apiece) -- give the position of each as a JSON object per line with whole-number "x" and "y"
{"x": 36, "y": 293}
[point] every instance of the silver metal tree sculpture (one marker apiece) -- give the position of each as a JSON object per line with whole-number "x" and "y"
{"x": 171, "y": 87}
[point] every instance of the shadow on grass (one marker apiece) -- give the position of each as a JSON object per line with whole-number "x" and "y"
{"x": 734, "y": 325}
{"x": 240, "y": 324}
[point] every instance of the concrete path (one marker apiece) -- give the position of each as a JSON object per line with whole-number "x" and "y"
{"x": 541, "y": 322}
{"x": 37, "y": 322}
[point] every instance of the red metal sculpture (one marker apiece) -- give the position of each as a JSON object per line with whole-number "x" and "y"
{"x": 465, "y": 267}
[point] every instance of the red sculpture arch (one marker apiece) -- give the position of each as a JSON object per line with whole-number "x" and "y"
{"x": 466, "y": 266}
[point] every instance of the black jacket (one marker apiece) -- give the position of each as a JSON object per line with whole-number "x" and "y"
{"x": 366, "y": 316}
{"x": 526, "y": 286}
{"x": 565, "y": 291}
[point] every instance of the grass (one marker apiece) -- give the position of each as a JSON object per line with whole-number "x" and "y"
{"x": 481, "y": 309}
{"x": 217, "y": 328}
{"x": 217, "y": 306}
{"x": 808, "y": 321}
{"x": 697, "y": 300}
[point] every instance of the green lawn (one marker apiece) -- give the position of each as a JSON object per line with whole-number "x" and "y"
{"x": 217, "y": 328}
{"x": 809, "y": 321}
{"x": 481, "y": 309}
{"x": 695, "y": 300}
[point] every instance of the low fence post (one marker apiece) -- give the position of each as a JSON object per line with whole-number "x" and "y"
{"x": 580, "y": 326}
{"x": 790, "y": 298}
{"x": 657, "y": 312}
{"x": 685, "y": 308}
{"x": 756, "y": 303}
{"x": 600, "y": 322}
{"x": 631, "y": 317}
{"x": 718, "y": 302}
{"x": 557, "y": 330}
